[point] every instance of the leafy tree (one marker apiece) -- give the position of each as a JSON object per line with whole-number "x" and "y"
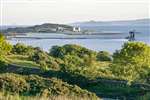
{"x": 133, "y": 53}
{"x": 57, "y": 51}
{"x": 5, "y": 48}
{"x": 133, "y": 61}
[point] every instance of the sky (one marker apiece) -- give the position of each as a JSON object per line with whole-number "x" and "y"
{"x": 30, "y": 12}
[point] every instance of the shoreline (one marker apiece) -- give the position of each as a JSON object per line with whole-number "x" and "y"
{"x": 65, "y": 38}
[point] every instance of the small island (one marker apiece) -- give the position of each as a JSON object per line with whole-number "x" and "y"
{"x": 44, "y": 28}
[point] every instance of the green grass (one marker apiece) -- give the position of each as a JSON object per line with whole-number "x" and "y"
{"x": 20, "y": 60}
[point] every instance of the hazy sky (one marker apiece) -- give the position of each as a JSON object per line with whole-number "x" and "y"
{"x": 67, "y": 11}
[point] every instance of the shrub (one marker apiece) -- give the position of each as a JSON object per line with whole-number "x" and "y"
{"x": 22, "y": 49}
{"x": 134, "y": 53}
{"x": 35, "y": 85}
{"x": 133, "y": 61}
{"x": 39, "y": 56}
{"x": 13, "y": 83}
{"x": 70, "y": 49}
{"x": 103, "y": 56}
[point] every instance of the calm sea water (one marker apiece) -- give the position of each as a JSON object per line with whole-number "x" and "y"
{"x": 110, "y": 44}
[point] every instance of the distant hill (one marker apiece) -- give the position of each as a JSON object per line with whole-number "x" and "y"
{"x": 4, "y": 27}
{"x": 45, "y": 28}
{"x": 105, "y": 23}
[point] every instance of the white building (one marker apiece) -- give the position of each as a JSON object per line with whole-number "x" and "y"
{"x": 76, "y": 29}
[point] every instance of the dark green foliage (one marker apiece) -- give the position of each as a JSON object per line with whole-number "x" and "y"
{"x": 71, "y": 49}
{"x": 53, "y": 64}
{"x": 22, "y": 49}
{"x": 2, "y": 63}
{"x": 39, "y": 56}
{"x": 35, "y": 85}
{"x": 72, "y": 63}
{"x": 44, "y": 28}
{"x": 46, "y": 62}
{"x": 145, "y": 97}
{"x": 57, "y": 51}
{"x": 79, "y": 66}
{"x": 76, "y": 59}
{"x": 103, "y": 56}
{"x": 133, "y": 53}
{"x": 13, "y": 83}
{"x": 5, "y": 49}
{"x": 132, "y": 62}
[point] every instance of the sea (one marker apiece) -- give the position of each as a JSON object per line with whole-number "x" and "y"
{"x": 107, "y": 42}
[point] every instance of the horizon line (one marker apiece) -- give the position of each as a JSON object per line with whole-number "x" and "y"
{"x": 134, "y": 19}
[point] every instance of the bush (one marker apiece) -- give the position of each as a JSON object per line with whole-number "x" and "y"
{"x": 39, "y": 56}
{"x": 13, "y": 83}
{"x": 35, "y": 85}
{"x": 134, "y": 53}
{"x": 70, "y": 49}
{"x": 133, "y": 61}
{"x": 22, "y": 49}
{"x": 103, "y": 56}
{"x": 53, "y": 64}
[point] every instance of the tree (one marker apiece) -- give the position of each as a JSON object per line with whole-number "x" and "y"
{"x": 133, "y": 58}
{"x": 57, "y": 51}
{"x": 5, "y": 47}
{"x": 134, "y": 53}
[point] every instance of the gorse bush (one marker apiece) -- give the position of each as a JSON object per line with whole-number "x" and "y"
{"x": 22, "y": 49}
{"x": 13, "y": 83}
{"x": 39, "y": 56}
{"x": 46, "y": 62}
{"x": 104, "y": 56}
{"x": 35, "y": 85}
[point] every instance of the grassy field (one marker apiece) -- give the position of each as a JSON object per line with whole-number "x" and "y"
{"x": 20, "y": 60}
